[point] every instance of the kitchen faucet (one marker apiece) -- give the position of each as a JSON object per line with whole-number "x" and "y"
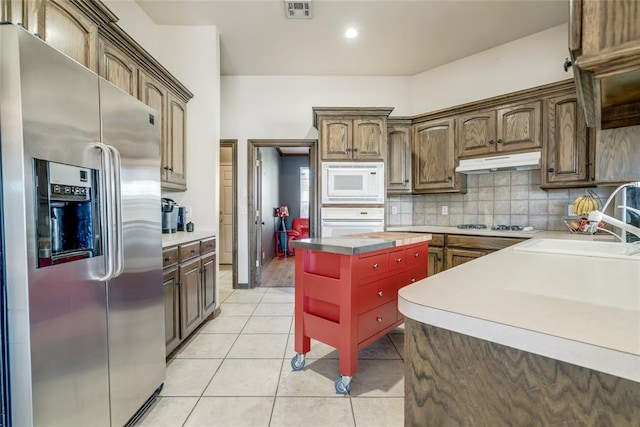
{"x": 595, "y": 217}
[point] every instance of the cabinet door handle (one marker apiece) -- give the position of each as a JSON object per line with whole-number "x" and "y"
{"x": 380, "y": 293}
{"x": 491, "y": 142}
{"x": 165, "y": 168}
{"x": 399, "y": 260}
{"x": 406, "y": 181}
{"x": 375, "y": 265}
{"x": 167, "y": 259}
{"x": 567, "y": 64}
{"x": 379, "y": 319}
{"x": 348, "y": 150}
{"x": 449, "y": 178}
{"x": 193, "y": 251}
{"x": 355, "y": 149}
{"x": 499, "y": 141}
{"x": 551, "y": 170}
{"x": 417, "y": 254}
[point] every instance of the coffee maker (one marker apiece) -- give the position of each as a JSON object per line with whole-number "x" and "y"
{"x": 169, "y": 216}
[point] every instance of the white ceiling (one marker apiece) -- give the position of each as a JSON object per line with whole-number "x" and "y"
{"x": 396, "y": 37}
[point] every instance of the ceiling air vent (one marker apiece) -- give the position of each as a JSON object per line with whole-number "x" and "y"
{"x": 298, "y": 9}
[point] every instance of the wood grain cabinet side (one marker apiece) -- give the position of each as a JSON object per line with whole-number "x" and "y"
{"x": 604, "y": 41}
{"x": 65, "y": 27}
{"x": 433, "y": 158}
{"x": 568, "y": 155}
{"x": 398, "y": 157}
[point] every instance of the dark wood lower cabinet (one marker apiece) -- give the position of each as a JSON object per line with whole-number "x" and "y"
{"x": 436, "y": 260}
{"x": 189, "y": 286}
{"x": 456, "y": 256}
{"x": 171, "y": 291}
{"x": 190, "y": 295}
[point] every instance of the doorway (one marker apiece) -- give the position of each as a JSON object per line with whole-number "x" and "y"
{"x": 228, "y": 227}
{"x": 263, "y": 217}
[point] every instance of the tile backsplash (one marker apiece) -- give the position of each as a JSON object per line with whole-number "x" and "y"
{"x": 510, "y": 198}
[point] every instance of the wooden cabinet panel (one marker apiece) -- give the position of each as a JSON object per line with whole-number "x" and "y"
{"x": 208, "y": 285}
{"x": 476, "y": 133}
{"x": 176, "y": 166}
{"x": 481, "y": 242}
{"x": 434, "y": 158}
{"x": 169, "y": 257}
{"x": 188, "y": 251}
{"x": 117, "y": 68}
{"x": 368, "y": 141}
{"x": 519, "y": 127}
{"x": 190, "y": 297}
{"x": 171, "y": 292}
{"x": 398, "y": 159}
{"x": 62, "y": 25}
{"x": 207, "y": 246}
{"x": 337, "y": 142}
{"x": 566, "y": 156}
{"x": 436, "y": 260}
{"x": 457, "y": 256}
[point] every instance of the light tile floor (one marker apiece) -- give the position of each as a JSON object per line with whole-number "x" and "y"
{"x": 235, "y": 371}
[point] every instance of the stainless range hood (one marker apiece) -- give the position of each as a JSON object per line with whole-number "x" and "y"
{"x": 510, "y": 162}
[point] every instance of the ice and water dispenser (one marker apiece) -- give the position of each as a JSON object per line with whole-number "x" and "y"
{"x": 67, "y": 213}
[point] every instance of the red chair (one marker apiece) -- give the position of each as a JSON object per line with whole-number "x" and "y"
{"x": 299, "y": 230}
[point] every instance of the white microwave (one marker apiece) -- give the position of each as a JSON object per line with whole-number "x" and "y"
{"x": 349, "y": 182}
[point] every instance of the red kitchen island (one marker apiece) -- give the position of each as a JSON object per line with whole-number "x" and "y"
{"x": 346, "y": 292}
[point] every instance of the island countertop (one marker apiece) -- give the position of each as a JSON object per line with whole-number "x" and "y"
{"x": 580, "y": 310}
{"x": 355, "y": 244}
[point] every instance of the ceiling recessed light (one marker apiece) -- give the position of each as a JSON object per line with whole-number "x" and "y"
{"x": 351, "y": 33}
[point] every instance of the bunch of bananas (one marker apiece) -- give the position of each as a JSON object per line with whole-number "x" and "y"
{"x": 585, "y": 204}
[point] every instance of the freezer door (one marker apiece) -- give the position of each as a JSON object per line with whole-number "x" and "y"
{"x": 58, "y": 335}
{"x": 136, "y": 311}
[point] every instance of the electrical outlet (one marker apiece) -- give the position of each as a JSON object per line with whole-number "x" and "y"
{"x": 445, "y": 210}
{"x": 570, "y": 211}
{"x": 187, "y": 212}
{"x": 394, "y": 210}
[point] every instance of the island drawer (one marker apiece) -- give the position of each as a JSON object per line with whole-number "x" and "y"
{"x": 372, "y": 266}
{"x": 416, "y": 255}
{"x": 377, "y": 293}
{"x": 397, "y": 260}
{"x": 377, "y": 319}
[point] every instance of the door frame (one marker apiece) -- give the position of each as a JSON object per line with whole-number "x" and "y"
{"x": 233, "y": 144}
{"x": 254, "y": 227}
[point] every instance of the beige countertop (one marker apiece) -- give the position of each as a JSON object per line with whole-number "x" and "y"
{"x": 581, "y": 310}
{"x": 456, "y": 230}
{"x": 173, "y": 239}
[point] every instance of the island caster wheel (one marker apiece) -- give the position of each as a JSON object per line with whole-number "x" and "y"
{"x": 343, "y": 385}
{"x": 297, "y": 362}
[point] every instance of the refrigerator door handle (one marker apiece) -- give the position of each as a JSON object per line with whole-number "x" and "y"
{"x": 117, "y": 211}
{"x": 106, "y": 213}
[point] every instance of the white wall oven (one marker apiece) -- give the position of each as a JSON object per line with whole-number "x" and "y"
{"x": 352, "y": 183}
{"x": 341, "y": 221}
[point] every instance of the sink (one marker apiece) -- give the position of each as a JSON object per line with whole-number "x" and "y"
{"x": 581, "y": 248}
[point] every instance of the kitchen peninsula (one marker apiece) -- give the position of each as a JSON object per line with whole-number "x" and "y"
{"x": 521, "y": 338}
{"x": 346, "y": 291}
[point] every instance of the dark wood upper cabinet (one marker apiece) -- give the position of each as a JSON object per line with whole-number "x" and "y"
{"x": 604, "y": 42}
{"x": 117, "y": 68}
{"x": 398, "y": 171}
{"x": 434, "y": 158}
{"x": 567, "y": 155}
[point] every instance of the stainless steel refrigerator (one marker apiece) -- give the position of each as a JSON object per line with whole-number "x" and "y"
{"x": 82, "y": 240}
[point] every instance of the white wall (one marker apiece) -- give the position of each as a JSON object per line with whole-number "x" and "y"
{"x": 528, "y": 62}
{"x": 191, "y": 54}
{"x": 280, "y": 107}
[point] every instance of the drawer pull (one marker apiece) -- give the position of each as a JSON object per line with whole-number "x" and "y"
{"x": 379, "y": 319}
{"x": 399, "y": 260}
{"x": 193, "y": 251}
{"x": 376, "y": 265}
{"x": 167, "y": 259}
{"x": 380, "y": 293}
{"x": 417, "y": 254}
{"x": 413, "y": 280}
